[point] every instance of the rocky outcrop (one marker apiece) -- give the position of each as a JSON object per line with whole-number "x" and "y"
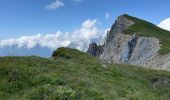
{"x": 161, "y": 62}
{"x": 94, "y": 49}
{"x": 130, "y": 49}
{"x": 121, "y": 24}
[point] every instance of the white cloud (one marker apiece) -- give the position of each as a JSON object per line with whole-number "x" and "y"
{"x": 55, "y": 5}
{"x": 165, "y": 24}
{"x": 79, "y": 38}
{"x": 107, "y": 15}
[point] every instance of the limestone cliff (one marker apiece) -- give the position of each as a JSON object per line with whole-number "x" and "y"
{"x": 120, "y": 47}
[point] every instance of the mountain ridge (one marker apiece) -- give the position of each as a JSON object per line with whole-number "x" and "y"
{"x": 135, "y": 41}
{"x": 148, "y": 29}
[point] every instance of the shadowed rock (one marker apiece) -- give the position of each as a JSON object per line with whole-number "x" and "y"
{"x": 94, "y": 49}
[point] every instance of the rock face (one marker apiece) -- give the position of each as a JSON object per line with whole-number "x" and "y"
{"x": 161, "y": 62}
{"x": 94, "y": 49}
{"x": 130, "y": 49}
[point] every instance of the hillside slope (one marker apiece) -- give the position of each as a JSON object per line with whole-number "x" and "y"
{"x": 74, "y": 75}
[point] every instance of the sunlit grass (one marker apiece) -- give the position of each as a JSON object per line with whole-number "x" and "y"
{"x": 74, "y": 75}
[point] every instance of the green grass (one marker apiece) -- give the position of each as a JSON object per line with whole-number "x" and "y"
{"x": 147, "y": 29}
{"x": 74, "y": 75}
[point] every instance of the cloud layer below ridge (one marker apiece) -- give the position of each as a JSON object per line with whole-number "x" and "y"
{"x": 78, "y": 39}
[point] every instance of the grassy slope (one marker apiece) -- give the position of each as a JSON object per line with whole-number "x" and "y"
{"x": 144, "y": 28}
{"x": 76, "y": 75}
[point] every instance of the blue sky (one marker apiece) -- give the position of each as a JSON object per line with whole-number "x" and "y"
{"x": 30, "y": 17}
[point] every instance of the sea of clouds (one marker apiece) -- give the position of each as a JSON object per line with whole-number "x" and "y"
{"x": 78, "y": 39}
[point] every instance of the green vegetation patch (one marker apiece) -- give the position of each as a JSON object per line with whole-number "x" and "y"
{"x": 79, "y": 76}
